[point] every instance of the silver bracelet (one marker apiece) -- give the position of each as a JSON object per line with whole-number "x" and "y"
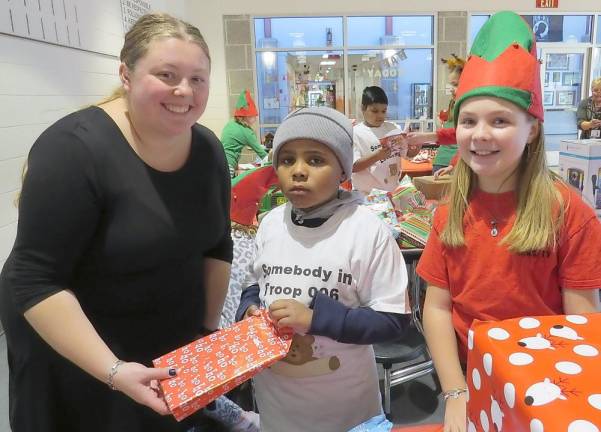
{"x": 454, "y": 393}
{"x": 112, "y": 373}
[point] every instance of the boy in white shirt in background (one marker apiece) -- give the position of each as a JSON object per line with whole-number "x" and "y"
{"x": 375, "y": 166}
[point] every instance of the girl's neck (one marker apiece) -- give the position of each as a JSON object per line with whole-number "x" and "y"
{"x": 497, "y": 186}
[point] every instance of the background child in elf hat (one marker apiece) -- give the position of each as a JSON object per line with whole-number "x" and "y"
{"x": 513, "y": 240}
{"x": 238, "y": 132}
{"x": 375, "y": 166}
{"x": 331, "y": 270}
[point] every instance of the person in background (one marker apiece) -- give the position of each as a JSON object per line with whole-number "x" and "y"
{"x": 238, "y": 132}
{"x": 330, "y": 269}
{"x": 513, "y": 240}
{"x": 123, "y": 245}
{"x": 375, "y": 166}
{"x": 444, "y": 137}
{"x": 589, "y": 112}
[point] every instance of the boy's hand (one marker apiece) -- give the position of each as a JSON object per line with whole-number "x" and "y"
{"x": 384, "y": 152}
{"x": 291, "y": 313}
{"x": 252, "y": 310}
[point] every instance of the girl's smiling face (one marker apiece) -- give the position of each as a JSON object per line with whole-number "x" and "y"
{"x": 492, "y": 134}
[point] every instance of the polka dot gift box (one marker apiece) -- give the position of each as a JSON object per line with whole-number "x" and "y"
{"x": 215, "y": 364}
{"x": 535, "y": 374}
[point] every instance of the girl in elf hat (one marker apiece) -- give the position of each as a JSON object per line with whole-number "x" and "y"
{"x": 239, "y": 133}
{"x": 513, "y": 239}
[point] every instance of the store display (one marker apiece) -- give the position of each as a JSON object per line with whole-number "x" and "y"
{"x": 421, "y": 100}
{"x": 215, "y": 364}
{"x": 580, "y": 167}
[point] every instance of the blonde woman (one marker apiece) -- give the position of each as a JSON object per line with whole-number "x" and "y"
{"x": 513, "y": 240}
{"x": 123, "y": 248}
{"x": 589, "y": 112}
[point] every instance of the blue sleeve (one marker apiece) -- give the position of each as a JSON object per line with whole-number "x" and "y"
{"x": 362, "y": 325}
{"x": 249, "y": 297}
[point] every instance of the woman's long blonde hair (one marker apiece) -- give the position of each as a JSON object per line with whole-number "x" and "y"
{"x": 540, "y": 206}
{"x": 146, "y": 30}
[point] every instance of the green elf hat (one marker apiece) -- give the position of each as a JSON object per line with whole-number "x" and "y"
{"x": 503, "y": 64}
{"x": 245, "y": 107}
{"x": 247, "y": 191}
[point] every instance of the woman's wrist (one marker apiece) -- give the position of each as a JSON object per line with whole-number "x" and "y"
{"x": 112, "y": 372}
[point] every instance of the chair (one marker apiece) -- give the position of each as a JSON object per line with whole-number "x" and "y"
{"x": 411, "y": 350}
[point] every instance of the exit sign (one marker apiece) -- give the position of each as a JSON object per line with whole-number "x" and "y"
{"x": 546, "y": 4}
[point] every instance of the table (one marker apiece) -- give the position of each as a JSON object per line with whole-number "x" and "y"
{"x": 415, "y": 169}
{"x": 535, "y": 374}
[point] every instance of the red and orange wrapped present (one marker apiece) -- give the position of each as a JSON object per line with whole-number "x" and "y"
{"x": 219, "y": 362}
{"x": 535, "y": 374}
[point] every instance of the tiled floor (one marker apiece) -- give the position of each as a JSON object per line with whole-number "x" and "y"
{"x": 415, "y": 402}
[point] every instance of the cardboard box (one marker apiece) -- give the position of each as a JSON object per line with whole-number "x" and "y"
{"x": 215, "y": 364}
{"x": 431, "y": 188}
{"x": 580, "y": 167}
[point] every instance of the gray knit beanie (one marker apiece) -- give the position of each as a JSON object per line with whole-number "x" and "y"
{"x": 325, "y": 125}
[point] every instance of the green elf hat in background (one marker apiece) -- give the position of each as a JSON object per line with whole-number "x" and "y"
{"x": 245, "y": 107}
{"x": 503, "y": 63}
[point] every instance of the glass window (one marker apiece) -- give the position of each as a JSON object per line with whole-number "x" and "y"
{"x": 599, "y": 29}
{"x": 476, "y": 23}
{"x": 298, "y": 32}
{"x": 548, "y": 28}
{"x": 561, "y": 28}
{"x": 404, "y": 74}
{"x": 596, "y": 63}
{"x": 295, "y": 79}
{"x": 391, "y": 30}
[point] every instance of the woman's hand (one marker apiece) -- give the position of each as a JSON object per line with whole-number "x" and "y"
{"x": 253, "y": 310}
{"x": 291, "y": 313}
{"x": 455, "y": 416}
{"x": 141, "y": 383}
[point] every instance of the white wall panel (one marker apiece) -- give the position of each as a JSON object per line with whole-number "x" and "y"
{"x": 8, "y": 210}
{"x": 10, "y": 174}
{"x": 7, "y": 238}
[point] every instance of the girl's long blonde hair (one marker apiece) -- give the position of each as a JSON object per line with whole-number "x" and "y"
{"x": 540, "y": 206}
{"x": 147, "y": 29}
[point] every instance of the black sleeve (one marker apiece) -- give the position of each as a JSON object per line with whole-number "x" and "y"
{"x": 224, "y": 249}
{"x": 581, "y": 113}
{"x": 249, "y": 297}
{"x": 58, "y": 213}
{"x": 362, "y": 325}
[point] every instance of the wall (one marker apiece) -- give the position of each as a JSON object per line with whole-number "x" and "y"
{"x": 40, "y": 83}
{"x": 208, "y": 16}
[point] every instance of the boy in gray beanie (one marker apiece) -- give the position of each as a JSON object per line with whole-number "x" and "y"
{"x": 330, "y": 269}
{"x": 324, "y": 125}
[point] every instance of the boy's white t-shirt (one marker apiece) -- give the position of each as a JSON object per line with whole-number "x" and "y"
{"x": 324, "y": 385}
{"x": 383, "y": 175}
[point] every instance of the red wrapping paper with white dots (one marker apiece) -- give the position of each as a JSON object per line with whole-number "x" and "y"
{"x": 535, "y": 374}
{"x": 215, "y": 364}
